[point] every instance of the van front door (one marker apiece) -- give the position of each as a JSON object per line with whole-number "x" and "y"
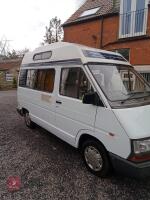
{"x": 72, "y": 115}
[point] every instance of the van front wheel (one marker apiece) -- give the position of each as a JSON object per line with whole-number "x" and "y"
{"x": 28, "y": 121}
{"x": 96, "y": 158}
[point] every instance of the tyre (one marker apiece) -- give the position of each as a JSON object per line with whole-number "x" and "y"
{"x": 96, "y": 158}
{"x": 28, "y": 121}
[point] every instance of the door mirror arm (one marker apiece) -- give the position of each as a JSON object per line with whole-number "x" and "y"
{"x": 92, "y": 98}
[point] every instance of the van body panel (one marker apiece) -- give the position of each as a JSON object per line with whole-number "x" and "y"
{"x": 110, "y": 132}
{"x": 72, "y": 116}
{"x": 39, "y": 104}
{"x": 52, "y": 128}
{"x": 136, "y": 121}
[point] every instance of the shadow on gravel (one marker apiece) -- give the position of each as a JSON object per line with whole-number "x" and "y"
{"x": 114, "y": 187}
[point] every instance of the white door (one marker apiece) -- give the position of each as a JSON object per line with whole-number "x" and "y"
{"x": 71, "y": 114}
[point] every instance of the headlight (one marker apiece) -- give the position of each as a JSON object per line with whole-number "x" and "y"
{"x": 141, "y": 146}
{"x": 140, "y": 150}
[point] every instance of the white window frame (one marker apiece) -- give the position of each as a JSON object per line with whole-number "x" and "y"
{"x": 133, "y": 9}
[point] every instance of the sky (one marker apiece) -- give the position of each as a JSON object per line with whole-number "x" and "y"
{"x": 23, "y": 22}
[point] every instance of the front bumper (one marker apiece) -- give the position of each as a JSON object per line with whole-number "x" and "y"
{"x": 128, "y": 168}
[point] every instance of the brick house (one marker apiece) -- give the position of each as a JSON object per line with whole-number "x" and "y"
{"x": 115, "y": 25}
{"x": 9, "y": 70}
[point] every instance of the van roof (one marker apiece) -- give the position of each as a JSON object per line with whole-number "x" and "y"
{"x": 63, "y": 51}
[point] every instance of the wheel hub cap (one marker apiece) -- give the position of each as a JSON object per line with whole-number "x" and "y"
{"x": 93, "y": 158}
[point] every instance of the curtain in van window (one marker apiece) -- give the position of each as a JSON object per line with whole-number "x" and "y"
{"x": 74, "y": 83}
{"x": 49, "y": 80}
{"x": 45, "y": 80}
{"x": 31, "y": 79}
{"x": 41, "y": 75}
{"x": 42, "y": 81}
{"x": 63, "y": 80}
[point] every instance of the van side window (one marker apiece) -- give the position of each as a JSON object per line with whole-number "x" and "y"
{"x": 74, "y": 83}
{"x": 23, "y": 78}
{"x": 38, "y": 79}
{"x": 42, "y": 56}
{"x": 45, "y": 80}
{"x": 31, "y": 78}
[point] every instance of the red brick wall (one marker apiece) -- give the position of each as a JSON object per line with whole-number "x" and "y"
{"x": 110, "y": 30}
{"x": 10, "y": 64}
{"x": 139, "y": 49}
{"x": 86, "y": 33}
{"x": 89, "y": 34}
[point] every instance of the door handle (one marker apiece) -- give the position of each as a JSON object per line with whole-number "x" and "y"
{"x": 58, "y": 102}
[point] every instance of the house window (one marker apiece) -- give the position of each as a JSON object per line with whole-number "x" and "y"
{"x": 146, "y": 76}
{"x": 133, "y": 18}
{"x": 9, "y": 77}
{"x": 90, "y": 12}
{"x": 124, "y": 52}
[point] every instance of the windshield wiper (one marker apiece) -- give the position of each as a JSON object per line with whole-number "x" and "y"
{"x": 133, "y": 94}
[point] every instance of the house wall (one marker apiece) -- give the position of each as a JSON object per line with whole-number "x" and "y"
{"x": 9, "y": 67}
{"x": 89, "y": 34}
{"x": 85, "y": 33}
{"x": 4, "y": 84}
{"x": 139, "y": 47}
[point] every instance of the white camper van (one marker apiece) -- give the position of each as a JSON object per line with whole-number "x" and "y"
{"x": 92, "y": 99}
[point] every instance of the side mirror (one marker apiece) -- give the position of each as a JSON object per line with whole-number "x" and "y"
{"x": 92, "y": 98}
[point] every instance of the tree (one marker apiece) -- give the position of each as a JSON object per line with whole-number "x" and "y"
{"x": 22, "y": 52}
{"x": 54, "y": 32}
{"x": 6, "y": 53}
{"x": 12, "y": 55}
{"x": 16, "y": 54}
{"x": 4, "y": 47}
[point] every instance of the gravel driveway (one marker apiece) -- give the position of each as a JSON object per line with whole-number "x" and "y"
{"x": 50, "y": 168}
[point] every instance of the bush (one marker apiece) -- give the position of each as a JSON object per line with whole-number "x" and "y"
{"x": 14, "y": 82}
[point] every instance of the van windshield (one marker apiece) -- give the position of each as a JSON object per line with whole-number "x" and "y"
{"x": 120, "y": 82}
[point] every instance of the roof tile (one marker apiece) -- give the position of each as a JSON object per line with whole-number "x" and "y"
{"x": 106, "y": 7}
